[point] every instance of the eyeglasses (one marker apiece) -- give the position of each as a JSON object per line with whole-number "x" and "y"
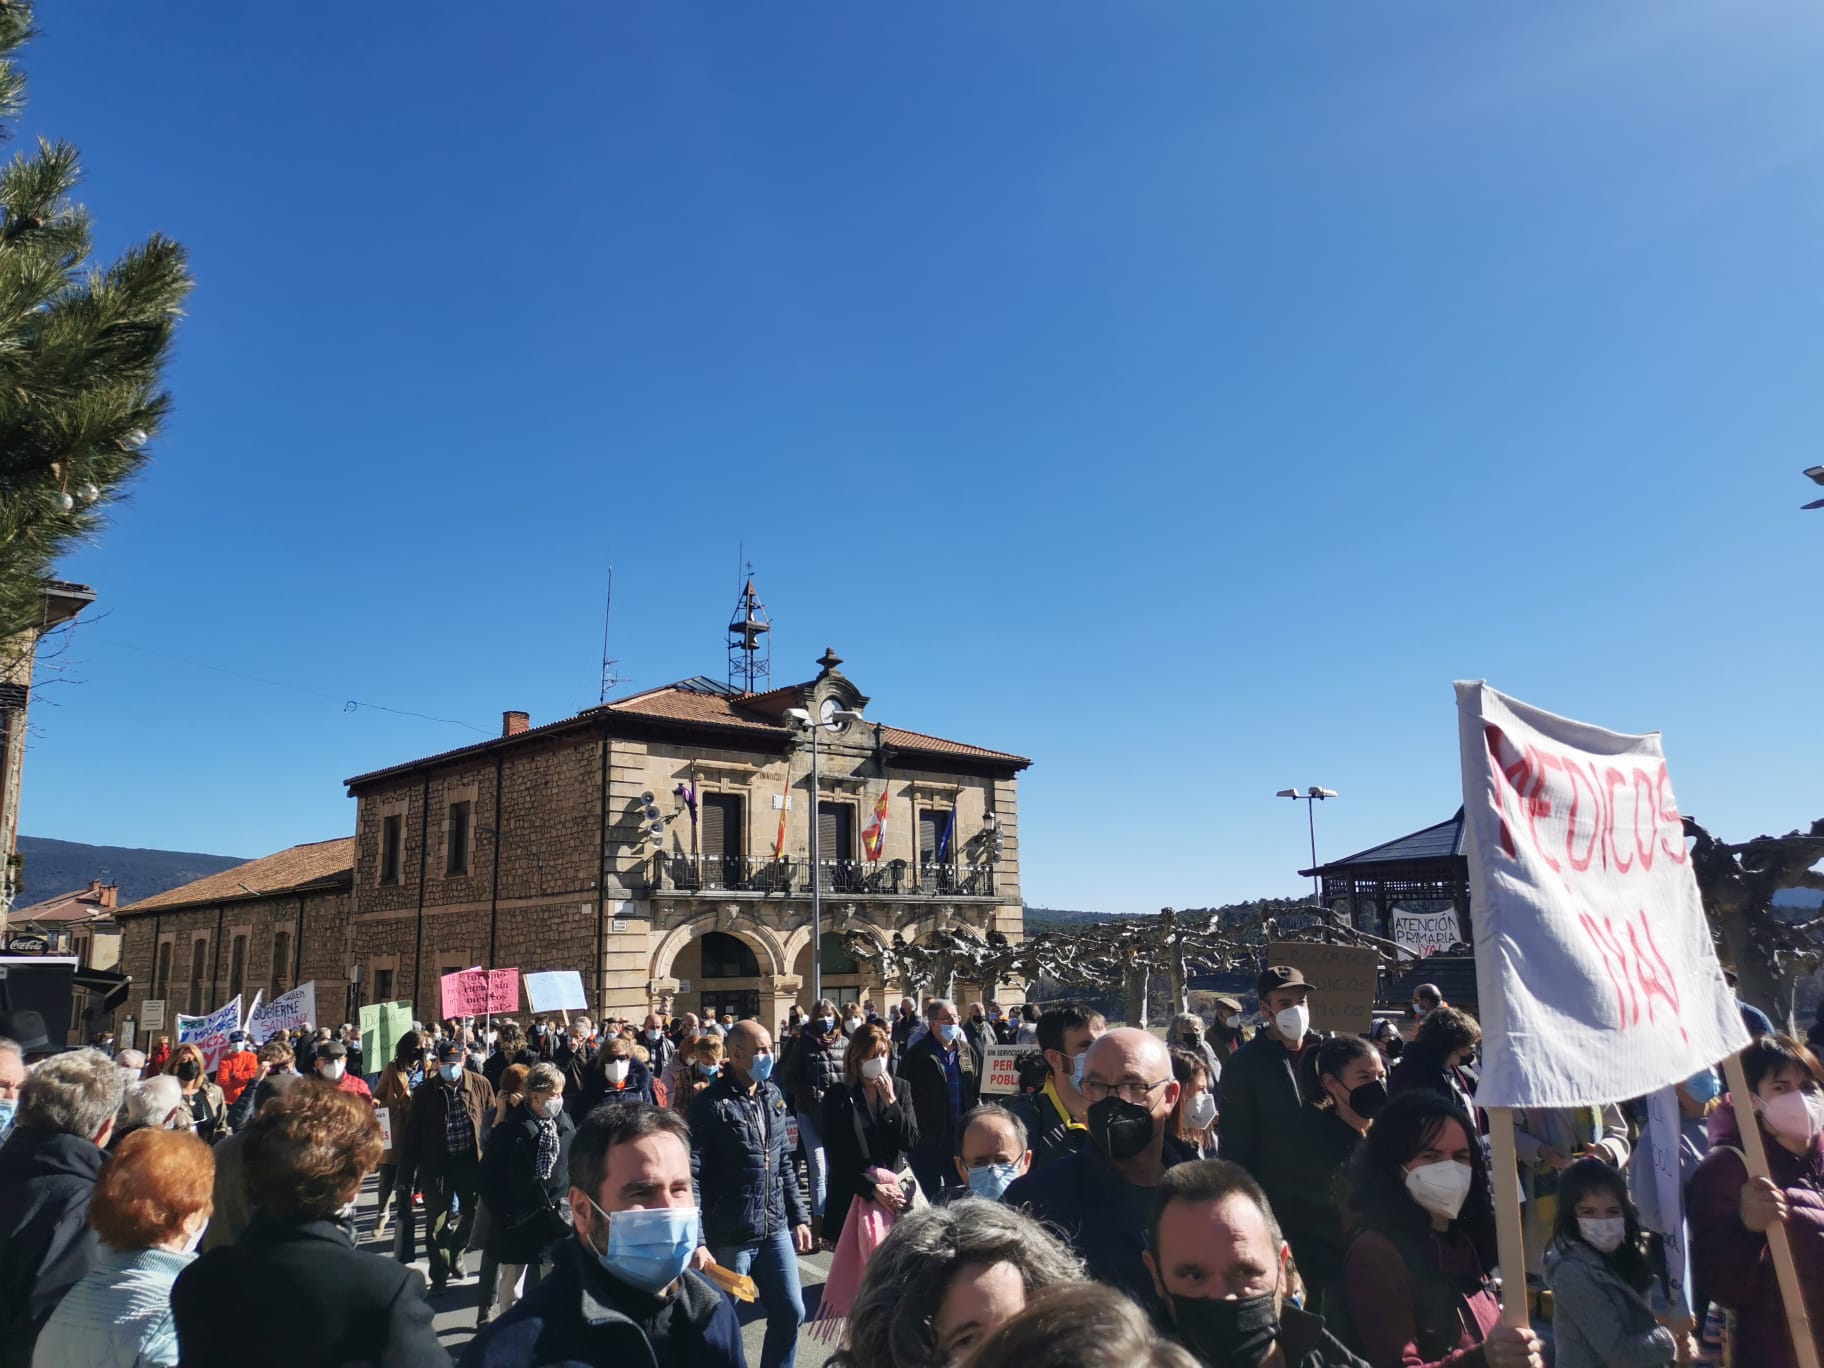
{"x": 1132, "y": 1091}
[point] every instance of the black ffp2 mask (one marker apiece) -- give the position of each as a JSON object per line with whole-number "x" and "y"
{"x": 1368, "y": 1099}
{"x": 1118, "y": 1128}
{"x": 1228, "y": 1334}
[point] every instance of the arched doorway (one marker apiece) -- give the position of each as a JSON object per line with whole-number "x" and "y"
{"x": 728, "y": 974}
{"x": 844, "y": 980}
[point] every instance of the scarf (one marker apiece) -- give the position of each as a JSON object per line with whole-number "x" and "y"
{"x": 546, "y": 1158}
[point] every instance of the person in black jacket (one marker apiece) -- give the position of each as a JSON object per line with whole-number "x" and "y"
{"x": 1434, "y": 1061}
{"x": 530, "y": 1154}
{"x": 867, "y": 1125}
{"x": 941, "y": 1076}
{"x": 811, "y": 1070}
{"x": 509, "y": 1048}
{"x": 306, "y": 1156}
{"x": 440, "y": 1152}
{"x": 48, "y": 1168}
{"x": 755, "y": 1218}
{"x": 1345, "y": 1086}
{"x": 1260, "y": 1097}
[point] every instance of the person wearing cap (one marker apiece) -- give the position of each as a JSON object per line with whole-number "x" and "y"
{"x": 1222, "y": 1037}
{"x": 441, "y": 1151}
{"x": 332, "y": 1067}
{"x": 239, "y": 1069}
{"x": 1261, "y": 1104}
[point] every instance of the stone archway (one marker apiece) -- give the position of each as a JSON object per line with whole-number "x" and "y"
{"x": 763, "y": 990}
{"x": 844, "y": 986}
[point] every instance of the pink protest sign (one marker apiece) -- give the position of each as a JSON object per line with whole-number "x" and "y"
{"x": 478, "y": 992}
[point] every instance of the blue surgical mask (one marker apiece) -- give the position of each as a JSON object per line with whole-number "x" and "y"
{"x": 8, "y": 1109}
{"x": 991, "y": 1180}
{"x": 1078, "y": 1063}
{"x": 826, "y": 1024}
{"x": 762, "y": 1067}
{"x": 949, "y": 1031}
{"x": 450, "y": 1072}
{"x": 1704, "y": 1086}
{"x": 649, "y": 1249}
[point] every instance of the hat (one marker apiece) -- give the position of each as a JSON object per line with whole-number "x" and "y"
{"x": 236, "y": 1037}
{"x": 331, "y": 1049}
{"x": 451, "y": 1052}
{"x": 1277, "y": 976}
{"x": 1228, "y": 1004}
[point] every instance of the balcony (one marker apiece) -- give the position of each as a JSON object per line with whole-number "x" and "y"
{"x": 710, "y": 874}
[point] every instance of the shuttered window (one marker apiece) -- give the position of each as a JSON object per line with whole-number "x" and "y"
{"x": 836, "y": 831}
{"x": 721, "y": 834}
{"x": 237, "y": 966}
{"x": 931, "y": 825}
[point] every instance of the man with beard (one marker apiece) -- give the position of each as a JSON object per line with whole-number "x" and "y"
{"x": 1220, "y": 1266}
{"x": 1101, "y": 1197}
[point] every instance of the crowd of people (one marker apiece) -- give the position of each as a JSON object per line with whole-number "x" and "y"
{"x": 1265, "y": 1198}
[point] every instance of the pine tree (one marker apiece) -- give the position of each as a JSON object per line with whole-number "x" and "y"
{"x": 81, "y": 351}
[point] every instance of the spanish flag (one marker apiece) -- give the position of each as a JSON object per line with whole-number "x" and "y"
{"x": 874, "y": 835}
{"x": 779, "y": 840}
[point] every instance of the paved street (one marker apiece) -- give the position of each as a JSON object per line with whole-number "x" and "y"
{"x": 455, "y": 1310}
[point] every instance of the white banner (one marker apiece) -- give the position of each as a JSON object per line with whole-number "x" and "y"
{"x": 1597, "y": 977}
{"x": 1425, "y": 933}
{"x": 287, "y": 1012}
{"x": 1000, "y": 1071}
{"x": 210, "y": 1033}
{"x": 1669, "y": 1187}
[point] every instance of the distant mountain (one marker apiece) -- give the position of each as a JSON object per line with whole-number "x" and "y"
{"x": 53, "y": 867}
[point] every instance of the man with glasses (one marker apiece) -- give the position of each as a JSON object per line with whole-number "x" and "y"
{"x": 1101, "y": 1197}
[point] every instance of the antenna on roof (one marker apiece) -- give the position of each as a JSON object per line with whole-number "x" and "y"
{"x": 750, "y": 651}
{"x": 609, "y": 677}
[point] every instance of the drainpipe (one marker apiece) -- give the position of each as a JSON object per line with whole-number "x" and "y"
{"x": 494, "y": 898}
{"x": 297, "y": 945}
{"x": 424, "y": 818}
{"x": 601, "y": 884}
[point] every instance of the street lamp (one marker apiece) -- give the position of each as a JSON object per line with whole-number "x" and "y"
{"x": 835, "y": 719}
{"x": 1816, "y": 475}
{"x": 1311, "y": 798}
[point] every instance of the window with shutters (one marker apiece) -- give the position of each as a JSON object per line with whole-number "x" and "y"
{"x": 392, "y": 847}
{"x": 935, "y": 869}
{"x": 720, "y": 840}
{"x": 199, "y": 952}
{"x": 836, "y": 846}
{"x": 456, "y": 860}
{"x": 237, "y": 966}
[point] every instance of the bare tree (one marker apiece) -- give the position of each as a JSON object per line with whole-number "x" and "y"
{"x": 1737, "y": 884}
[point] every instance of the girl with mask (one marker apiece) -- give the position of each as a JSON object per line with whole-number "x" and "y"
{"x": 1416, "y": 1290}
{"x": 1344, "y": 1085}
{"x": 1730, "y": 1215}
{"x": 868, "y": 1125}
{"x": 1191, "y": 1132}
{"x": 1599, "y": 1277}
{"x": 208, "y": 1109}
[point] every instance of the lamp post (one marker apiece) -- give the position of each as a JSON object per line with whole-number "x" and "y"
{"x": 1311, "y": 798}
{"x": 835, "y": 719}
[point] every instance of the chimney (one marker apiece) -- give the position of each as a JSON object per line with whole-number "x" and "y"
{"x": 513, "y": 723}
{"x": 110, "y": 897}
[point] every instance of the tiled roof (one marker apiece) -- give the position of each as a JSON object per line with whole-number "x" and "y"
{"x": 1440, "y": 842}
{"x": 289, "y": 869}
{"x": 81, "y": 904}
{"x": 689, "y": 702}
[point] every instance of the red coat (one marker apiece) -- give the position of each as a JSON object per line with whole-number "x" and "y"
{"x": 235, "y": 1072}
{"x": 1733, "y": 1264}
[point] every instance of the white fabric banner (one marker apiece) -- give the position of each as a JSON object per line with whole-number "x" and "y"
{"x": 287, "y": 1012}
{"x": 1425, "y": 933}
{"x": 1596, "y": 975}
{"x": 210, "y": 1033}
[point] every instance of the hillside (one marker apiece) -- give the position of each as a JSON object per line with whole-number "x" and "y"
{"x": 53, "y": 867}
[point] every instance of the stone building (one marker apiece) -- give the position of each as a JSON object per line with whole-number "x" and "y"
{"x": 78, "y": 924}
{"x": 537, "y": 850}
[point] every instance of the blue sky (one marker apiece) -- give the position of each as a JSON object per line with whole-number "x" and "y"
{"x": 1179, "y": 394}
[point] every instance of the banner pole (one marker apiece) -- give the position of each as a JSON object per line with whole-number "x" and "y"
{"x": 1779, "y": 1242}
{"x": 1503, "y": 1181}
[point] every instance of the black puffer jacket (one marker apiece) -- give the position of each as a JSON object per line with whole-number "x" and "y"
{"x": 741, "y": 1162}
{"x": 530, "y": 1213}
{"x": 812, "y": 1069}
{"x": 46, "y": 1246}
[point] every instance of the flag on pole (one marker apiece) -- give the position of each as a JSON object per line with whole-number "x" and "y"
{"x": 943, "y": 844}
{"x": 784, "y": 804}
{"x": 253, "y": 1010}
{"x": 874, "y": 835}
{"x": 1598, "y": 978}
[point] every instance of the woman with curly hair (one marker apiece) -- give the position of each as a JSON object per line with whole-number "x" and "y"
{"x": 306, "y": 1155}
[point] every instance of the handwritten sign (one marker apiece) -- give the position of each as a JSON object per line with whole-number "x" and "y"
{"x": 210, "y": 1033}
{"x": 382, "y": 1025}
{"x": 384, "y": 1116}
{"x": 1343, "y": 981}
{"x": 1425, "y": 933}
{"x": 478, "y": 992}
{"x": 560, "y": 990}
{"x": 1000, "y": 1069}
{"x": 291, "y": 1011}
{"x": 1598, "y": 981}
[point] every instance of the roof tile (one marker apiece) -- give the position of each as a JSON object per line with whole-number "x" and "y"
{"x": 288, "y": 869}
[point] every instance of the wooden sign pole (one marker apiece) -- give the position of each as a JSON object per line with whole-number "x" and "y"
{"x": 1779, "y": 1243}
{"x": 1510, "y": 1240}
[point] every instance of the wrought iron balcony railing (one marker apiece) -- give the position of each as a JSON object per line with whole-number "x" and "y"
{"x": 893, "y": 878}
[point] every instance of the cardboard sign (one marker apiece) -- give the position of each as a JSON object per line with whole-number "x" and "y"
{"x": 1343, "y": 981}
{"x": 210, "y": 1033}
{"x": 382, "y": 1024}
{"x": 385, "y": 1117}
{"x": 1000, "y": 1074}
{"x": 1425, "y": 933}
{"x": 152, "y": 1010}
{"x": 560, "y": 990}
{"x": 291, "y": 1011}
{"x": 1597, "y": 977}
{"x": 479, "y": 992}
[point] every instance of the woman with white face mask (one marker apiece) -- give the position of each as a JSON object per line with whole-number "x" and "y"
{"x": 1416, "y": 1275}
{"x": 1599, "y": 1277}
{"x": 526, "y": 1182}
{"x": 1730, "y": 1215}
{"x": 1192, "y": 1124}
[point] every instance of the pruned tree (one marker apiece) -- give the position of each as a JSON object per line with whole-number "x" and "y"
{"x": 1738, "y": 884}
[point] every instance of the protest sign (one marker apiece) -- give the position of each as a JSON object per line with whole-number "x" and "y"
{"x": 152, "y": 1014}
{"x": 210, "y": 1033}
{"x": 382, "y": 1024}
{"x": 1425, "y": 933}
{"x": 1667, "y": 1143}
{"x": 479, "y": 992}
{"x": 291, "y": 1011}
{"x": 1343, "y": 981}
{"x": 1597, "y": 976}
{"x": 384, "y": 1116}
{"x": 1000, "y": 1076}
{"x": 560, "y": 990}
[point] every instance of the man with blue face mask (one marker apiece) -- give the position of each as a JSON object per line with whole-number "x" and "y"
{"x": 1055, "y": 1116}
{"x": 622, "y": 1290}
{"x": 440, "y": 1152}
{"x": 12, "y": 1078}
{"x": 755, "y": 1218}
{"x": 943, "y": 1083}
{"x": 991, "y": 1150}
